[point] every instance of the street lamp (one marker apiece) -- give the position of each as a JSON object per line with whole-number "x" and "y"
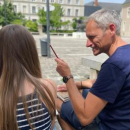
{"x": 48, "y": 29}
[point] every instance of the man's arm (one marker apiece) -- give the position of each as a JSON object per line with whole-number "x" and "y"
{"x": 85, "y": 109}
{"x": 106, "y": 89}
{"x": 79, "y": 84}
{"x": 85, "y": 84}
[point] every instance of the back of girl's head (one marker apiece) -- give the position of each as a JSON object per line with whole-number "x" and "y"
{"x": 19, "y": 61}
{"x": 17, "y": 47}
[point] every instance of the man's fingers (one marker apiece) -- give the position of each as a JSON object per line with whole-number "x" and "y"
{"x": 58, "y": 60}
{"x": 61, "y": 89}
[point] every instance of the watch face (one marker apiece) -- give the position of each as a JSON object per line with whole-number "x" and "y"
{"x": 65, "y": 79}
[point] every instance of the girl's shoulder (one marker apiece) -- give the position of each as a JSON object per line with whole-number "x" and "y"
{"x": 51, "y": 86}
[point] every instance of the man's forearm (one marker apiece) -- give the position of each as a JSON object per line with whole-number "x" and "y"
{"x": 85, "y": 84}
{"x": 75, "y": 97}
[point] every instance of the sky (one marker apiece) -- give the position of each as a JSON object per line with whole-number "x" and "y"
{"x": 111, "y": 1}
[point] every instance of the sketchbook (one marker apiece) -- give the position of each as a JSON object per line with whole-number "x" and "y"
{"x": 64, "y": 96}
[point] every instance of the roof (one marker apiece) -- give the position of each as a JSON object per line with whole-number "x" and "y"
{"x": 127, "y": 1}
{"x": 88, "y": 10}
{"x": 106, "y": 5}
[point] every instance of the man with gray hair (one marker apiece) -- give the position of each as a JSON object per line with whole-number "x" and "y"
{"x": 106, "y": 106}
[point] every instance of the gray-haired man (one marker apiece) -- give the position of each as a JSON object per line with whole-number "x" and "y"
{"x": 109, "y": 96}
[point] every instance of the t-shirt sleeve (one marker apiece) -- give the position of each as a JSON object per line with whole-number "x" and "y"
{"x": 109, "y": 82}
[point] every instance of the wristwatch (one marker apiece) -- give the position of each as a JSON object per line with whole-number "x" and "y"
{"x": 66, "y": 78}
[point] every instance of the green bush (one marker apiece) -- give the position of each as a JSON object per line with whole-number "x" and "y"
{"x": 32, "y": 26}
{"x": 19, "y": 22}
{"x": 62, "y": 31}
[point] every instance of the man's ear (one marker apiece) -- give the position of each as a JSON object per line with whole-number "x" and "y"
{"x": 112, "y": 28}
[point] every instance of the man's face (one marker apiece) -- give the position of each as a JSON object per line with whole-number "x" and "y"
{"x": 98, "y": 39}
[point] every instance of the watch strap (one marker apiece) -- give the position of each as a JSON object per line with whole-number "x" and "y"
{"x": 69, "y": 77}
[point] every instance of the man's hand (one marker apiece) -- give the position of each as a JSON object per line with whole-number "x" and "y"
{"x": 62, "y": 88}
{"x": 85, "y": 84}
{"x": 62, "y": 67}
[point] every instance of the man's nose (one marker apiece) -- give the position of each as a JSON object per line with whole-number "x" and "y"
{"x": 89, "y": 43}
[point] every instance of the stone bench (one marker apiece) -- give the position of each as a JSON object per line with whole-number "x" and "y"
{"x": 61, "y": 34}
{"x": 94, "y": 63}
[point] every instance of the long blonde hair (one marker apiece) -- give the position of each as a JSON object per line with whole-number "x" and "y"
{"x": 19, "y": 61}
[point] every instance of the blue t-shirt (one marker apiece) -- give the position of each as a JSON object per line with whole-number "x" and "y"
{"x": 113, "y": 85}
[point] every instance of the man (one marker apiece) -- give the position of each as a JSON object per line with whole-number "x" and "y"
{"x": 109, "y": 96}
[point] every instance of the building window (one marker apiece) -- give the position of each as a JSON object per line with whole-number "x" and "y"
{"x": 33, "y": 9}
{"x": 77, "y": 2}
{"x": 76, "y": 12}
{"x": 69, "y": 1}
{"x": 60, "y": 1}
{"x": 52, "y": 1}
{"x": 34, "y": 20}
{"x": 68, "y": 12}
{"x": 24, "y": 9}
{"x": 128, "y": 13}
{"x": 15, "y": 8}
{"x": 44, "y": 1}
{"x": 39, "y": 8}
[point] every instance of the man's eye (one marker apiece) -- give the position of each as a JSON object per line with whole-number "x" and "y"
{"x": 91, "y": 37}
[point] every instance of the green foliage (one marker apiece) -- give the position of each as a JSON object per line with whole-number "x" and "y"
{"x": 42, "y": 17}
{"x": 74, "y": 24}
{"x": 81, "y": 18}
{"x": 65, "y": 24}
{"x": 8, "y": 15}
{"x": 75, "y": 20}
{"x": 62, "y": 31}
{"x": 32, "y": 26}
{"x": 17, "y": 21}
{"x": 55, "y": 16}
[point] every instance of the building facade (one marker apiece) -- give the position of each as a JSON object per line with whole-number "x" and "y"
{"x": 30, "y": 8}
{"x": 125, "y": 16}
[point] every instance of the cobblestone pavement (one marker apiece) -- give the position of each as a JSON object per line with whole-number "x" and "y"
{"x": 70, "y": 50}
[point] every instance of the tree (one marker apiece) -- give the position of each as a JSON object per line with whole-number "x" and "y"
{"x": 74, "y": 23}
{"x": 55, "y": 16}
{"x": 42, "y": 17}
{"x": 81, "y": 18}
{"x": 65, "y": 23}
{"x": 17, "y": 21}
{"x": 11, "y": 15}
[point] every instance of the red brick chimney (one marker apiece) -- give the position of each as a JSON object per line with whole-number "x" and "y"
{"x": 96, "y": 3}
